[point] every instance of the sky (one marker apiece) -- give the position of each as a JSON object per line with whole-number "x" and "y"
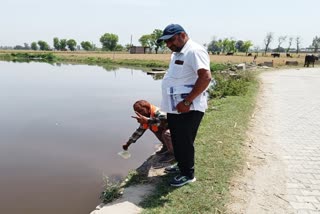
{"x": 29, "y": 21}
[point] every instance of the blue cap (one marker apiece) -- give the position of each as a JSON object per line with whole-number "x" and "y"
{"x": 170, "y": 31}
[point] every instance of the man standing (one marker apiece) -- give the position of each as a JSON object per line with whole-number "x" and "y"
{"x": 184, "y": 98}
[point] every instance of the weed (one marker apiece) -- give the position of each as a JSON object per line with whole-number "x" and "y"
{"x": 111, "y": 190}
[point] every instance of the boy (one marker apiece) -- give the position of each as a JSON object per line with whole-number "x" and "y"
{"x": 150, "y": 117}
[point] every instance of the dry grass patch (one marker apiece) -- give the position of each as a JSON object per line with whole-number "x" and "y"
{"x": 239, "y": 58}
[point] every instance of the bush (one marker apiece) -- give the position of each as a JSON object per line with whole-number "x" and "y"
{"x": 112, "y": 190}
{"x": 227, "y": 85}
{"x": 218, "y": 67}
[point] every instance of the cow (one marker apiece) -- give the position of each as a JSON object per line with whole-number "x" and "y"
{"x": 288, "y": 55}
{"x": 275, "y": 55}
{"x": 229, "y": 54}
{"x": 310, "y": 59}
{"x": 249, "y": 54}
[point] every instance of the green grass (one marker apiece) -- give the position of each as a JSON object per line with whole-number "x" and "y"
{"x": 227, "y": 85}
{"x": 119, "y": 62}
{"x": 219, "y": 153}
{"x": 32, "y": 56}
{"x": 111, "y": 190}
{"x": 218, "y": 67}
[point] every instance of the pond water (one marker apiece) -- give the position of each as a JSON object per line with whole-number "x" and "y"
{"x": 61, "y": 127}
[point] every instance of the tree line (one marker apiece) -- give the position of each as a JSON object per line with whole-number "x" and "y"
{"x": 109, "y": 42}
{"x": 281, "y": 39}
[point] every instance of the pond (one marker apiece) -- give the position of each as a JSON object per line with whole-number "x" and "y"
{"x": 61, "y": 127}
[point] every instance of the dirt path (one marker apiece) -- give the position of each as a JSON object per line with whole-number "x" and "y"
{"x": 260, "y": 186}
{"x": 282, "y": 174}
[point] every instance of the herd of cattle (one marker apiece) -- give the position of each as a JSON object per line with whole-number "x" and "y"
{"x": 308, "y": 60}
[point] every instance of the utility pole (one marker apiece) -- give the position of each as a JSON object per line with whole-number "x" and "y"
{"x": 131, "y": 41}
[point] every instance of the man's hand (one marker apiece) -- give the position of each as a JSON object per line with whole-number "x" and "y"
{"x": 140, "y": 118}
{"x": 182, "y": 108}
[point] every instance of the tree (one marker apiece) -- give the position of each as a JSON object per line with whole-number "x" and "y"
{"x": 316, "y": 43}
{"x": 214, "y": 46}
{"x": 267, "y": 40}
{"x": 127, "y": 47}
{"x": 146, "y": 40}
{"x": 279, "y": 49}
{"x": 239, "y": 45}
{"x": 18, "y": 47}
{"x": 298, "y": 42}
{"x": 281, "y": 39}
{"x": 26, "y": 46}
{"x": 71, "y": 43}
{"x": 231, "y": 46}
{"x": 86, "y": 45}
{"x": 109, "y": 41}
{"x": 289, "y": 44}
{"x": 224, "y": 45}
{"x": 220, "y": 44}
{"x": 246, "y": 45}
{"x": 34, "y": 46}
{"x": 119, "y": 47}
{"x": 56, "y": 43}
{"x": 156, "y": 34}
{"x": 43, "y": 45}
{"x": 63, "y": 44}
{"x": 256, "y": 49}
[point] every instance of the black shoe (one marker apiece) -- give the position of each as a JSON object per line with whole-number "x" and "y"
{"x": 167, "y": 158}
{"x": 181, "y": 180}
{"x": 172, "y": 169}
{"x": 162, "y": 151}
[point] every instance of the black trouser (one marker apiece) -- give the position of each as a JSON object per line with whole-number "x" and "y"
{"x": 183, "y": 128}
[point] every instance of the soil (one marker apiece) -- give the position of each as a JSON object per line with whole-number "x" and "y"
{"x": 260, "y": 186}
{"x": 133, "y": 195}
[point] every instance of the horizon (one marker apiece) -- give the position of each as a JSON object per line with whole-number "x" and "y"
{"x": 27, "y": 22}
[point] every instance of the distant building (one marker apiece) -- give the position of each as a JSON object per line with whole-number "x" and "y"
{"x": 139, "y": 50}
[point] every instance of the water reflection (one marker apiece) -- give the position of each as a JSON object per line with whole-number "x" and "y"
{"x": 61, "y": 127}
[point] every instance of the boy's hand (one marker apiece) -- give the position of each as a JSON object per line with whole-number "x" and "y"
{"x": 125, "y": 147}
{"x": 140, "y": 118}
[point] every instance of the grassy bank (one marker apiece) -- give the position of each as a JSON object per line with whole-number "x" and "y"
{"x": 98, "y": 58}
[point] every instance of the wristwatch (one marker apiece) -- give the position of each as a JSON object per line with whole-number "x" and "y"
{"x": 186, "y": 102}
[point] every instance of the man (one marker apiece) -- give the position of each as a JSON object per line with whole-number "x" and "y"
{"x": 150, "y": 117}
{"x": 184, "y": 98}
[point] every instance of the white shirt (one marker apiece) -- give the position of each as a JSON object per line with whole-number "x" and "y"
{"x": 182, "y": 75}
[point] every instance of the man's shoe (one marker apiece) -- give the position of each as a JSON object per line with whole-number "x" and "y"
{"x": 167, "y": 158}
{"x": 181, "y": 180}
{"x": 162, "y": 151}
{"x": 172, "y": 169}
